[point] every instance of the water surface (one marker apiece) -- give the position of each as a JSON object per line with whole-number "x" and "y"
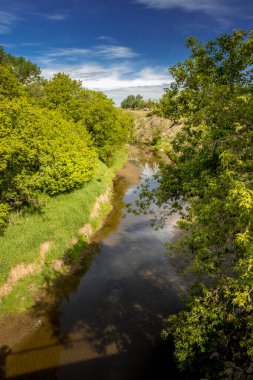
{"x": 107, "y": 322}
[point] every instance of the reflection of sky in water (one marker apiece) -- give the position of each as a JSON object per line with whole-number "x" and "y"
{"x": 120, "y": 303}
{"x": 130, "y": 192}
{"x": 147, "y": 173}
{"x": 135, "y": 245}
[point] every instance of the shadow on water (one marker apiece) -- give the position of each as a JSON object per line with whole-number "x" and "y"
{"x": 110, "y": 368}
{"x": 107, "y": 313}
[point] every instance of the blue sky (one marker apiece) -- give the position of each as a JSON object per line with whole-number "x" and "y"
{"x": 121, "y": 47}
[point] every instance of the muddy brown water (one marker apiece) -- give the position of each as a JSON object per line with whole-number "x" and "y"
{"x": 106, "y": 319}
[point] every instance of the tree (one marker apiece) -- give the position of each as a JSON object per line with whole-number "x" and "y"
{"x": 41, "y": 153}
{"x": 211, "y": 172}
{"x": 109, "y": 127}
{"x": 133, "y": 102}
{"x": 92, "y": 109}
{"x": 63, "y": 93}
{"x": 10, "y": 87}
{"x": 52, "y": 133}
{"x": 25, "y": 71}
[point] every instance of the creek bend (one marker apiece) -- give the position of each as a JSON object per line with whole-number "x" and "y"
{"x": 108, "y": 316}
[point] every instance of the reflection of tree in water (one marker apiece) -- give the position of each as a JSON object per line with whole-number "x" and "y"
{"x": 127, "y": 315}
{"x": 147, "y": 164}
{"x": 119, "y": 189}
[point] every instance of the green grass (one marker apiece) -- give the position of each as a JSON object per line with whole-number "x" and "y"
{"x": 23, "y": 294}
{"x": 59, "y": 222}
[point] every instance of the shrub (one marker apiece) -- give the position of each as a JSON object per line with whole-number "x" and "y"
{"x": 40, "y": 153}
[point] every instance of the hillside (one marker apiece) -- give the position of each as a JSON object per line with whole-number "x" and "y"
{"x": 154, "y": 130}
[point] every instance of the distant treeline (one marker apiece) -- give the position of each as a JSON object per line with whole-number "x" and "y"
{"x": 137, "y": 102}
{"x": 52, "y": 134}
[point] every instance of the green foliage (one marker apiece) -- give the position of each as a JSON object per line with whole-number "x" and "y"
{"x": 62, "y": 217}
{"x": 25, "y": 71}
{"x": 52, "y": 133}
{"x": 40, "y": 153}
{"x": 133, "y": 102}
{"x": 51, "y": 136}
{"x": 138, "y": 103}
{"x": 211, "y": 170}
{"x": 64, "y": 94}
{"x": 109, "y": 127}
{"x": 4, "y": 215}
{"x": 59, "y": 223}
{"x": 10, "y": 87}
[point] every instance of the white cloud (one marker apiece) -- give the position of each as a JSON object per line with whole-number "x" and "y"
{"x": 114, "y": 51}
{"x": 207, "y": 6}
{"x": 96, "y": 76}
{"x": 117, "y": 81}
{"x": 107, "y": 39}
{"x": 57, "y": 16}
{"x": 7, "y": 21}
{"x": 105, "y": 51}
{"x": 60, "y": 52}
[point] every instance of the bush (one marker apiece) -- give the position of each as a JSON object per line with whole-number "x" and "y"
{"x": 108, "y": 126}
{"x": 40, "y": 153}
{"x": 4, "y": 212}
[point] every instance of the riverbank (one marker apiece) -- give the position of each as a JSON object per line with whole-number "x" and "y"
{"x": 37, "y": 247}
{"x": 154, "y": 131}
{"x": 106, "y": 313}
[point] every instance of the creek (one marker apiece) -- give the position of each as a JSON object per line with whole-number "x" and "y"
{"x": 106, "y": 320}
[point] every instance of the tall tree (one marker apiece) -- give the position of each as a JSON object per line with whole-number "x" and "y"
{"x": 133, "y": 102}
{"x": 211, "y": 173}
{"x": 92, "y": 109}
{"x": 25, "y": 70}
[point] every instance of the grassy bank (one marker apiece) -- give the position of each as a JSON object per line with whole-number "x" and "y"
{"x": 58, "y": 224}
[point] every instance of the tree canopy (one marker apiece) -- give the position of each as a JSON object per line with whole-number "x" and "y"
{"x": 52, "y": 134}
{"x": 25, "y": 71}
{"x": 133, "y": 102}
{"x": 108, "y": 126}
{"x": 209, "y": 180}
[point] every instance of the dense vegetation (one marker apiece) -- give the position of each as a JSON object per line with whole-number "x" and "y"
{"x": 211, "y": 172}
{"x": 136, "y": 102}
{"x": 53, "y": 133}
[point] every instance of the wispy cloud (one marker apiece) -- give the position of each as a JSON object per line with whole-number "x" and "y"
{"x": 56, "y": 17}
{"x": 8, "y": 45}
{"x": 9, "y": 18}
{"x": 107, "y": 39}
{"x": 117, "y": 81}
{"x": 52, "y": 16}
{"x": 212, "y": 7}
{"x": 105, "y": 51}
{"x": 65, "y": 52}
{"x": 7, "y": 21}
{"x": 111, "y": 77}
{"x": 114, "y": 51}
